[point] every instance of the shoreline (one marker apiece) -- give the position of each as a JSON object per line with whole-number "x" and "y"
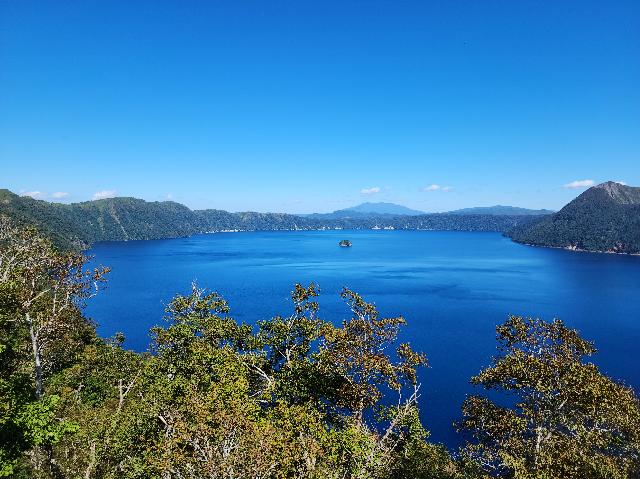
{"x": 576, "y": 250}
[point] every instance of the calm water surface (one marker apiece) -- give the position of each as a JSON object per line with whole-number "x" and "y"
{"x": 452, "y": 287}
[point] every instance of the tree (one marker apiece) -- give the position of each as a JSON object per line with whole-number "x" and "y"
{"x": 41, "y": 330}
{"x": 356, "y": 352}
{"x": 283, "y": 359}
{"x": 50, "y": 288}
{"x": 355, "y": 357}
{"x": 220, "y": 399}
{"x": 194, "y": 411}
{"x": 568, "y": 420}
{"x": 94, "y": 393}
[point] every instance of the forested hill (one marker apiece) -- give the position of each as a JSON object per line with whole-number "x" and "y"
{"x": 606, "y": 218}
{"x": 117, "y": 219}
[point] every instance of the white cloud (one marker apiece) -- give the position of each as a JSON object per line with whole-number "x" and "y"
{"x": 101, "y": 195}
{"x": 579, "y": 184}
{"x": 33, "y": 194}
{"x": 435, "y": 187}
{"x": 623, "y": 183}
{"x": 60, "y": 194}
{"x": 370, "y": 191}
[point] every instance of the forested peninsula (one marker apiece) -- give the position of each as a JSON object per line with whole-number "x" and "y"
{"x": 605, "y": 218}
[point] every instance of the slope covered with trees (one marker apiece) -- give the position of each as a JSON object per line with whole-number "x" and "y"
{"x": 606, "y": 217}
{"x": 123, "y": 219}
{"x": 295, "y": 396}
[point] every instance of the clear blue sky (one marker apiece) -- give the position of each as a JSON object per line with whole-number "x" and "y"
{"x": 300, "y": 106}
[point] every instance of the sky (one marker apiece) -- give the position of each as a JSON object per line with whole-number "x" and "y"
{"x": 300, "y": 106}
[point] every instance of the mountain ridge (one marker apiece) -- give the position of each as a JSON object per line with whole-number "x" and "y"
{"x": 394, "y": 209}
{"x": 500, "y": 210}
{"x": 620, "y": 193}
{"x": 382, "y": 208}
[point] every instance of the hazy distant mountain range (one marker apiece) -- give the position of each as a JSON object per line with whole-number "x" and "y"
{"x": 500, "y": 210}
{"x": 382, "y": 209}
{"x": 605, "y": 217}
{"x": 368, "y": 210}
{"x": 116, "y": 219}
{"x": 391, "y": 209}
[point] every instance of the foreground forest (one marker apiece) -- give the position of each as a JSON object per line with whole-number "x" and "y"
{"x": 295, "y": 396}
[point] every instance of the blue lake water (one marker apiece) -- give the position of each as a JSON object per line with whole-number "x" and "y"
{"x": 452, "y": 287}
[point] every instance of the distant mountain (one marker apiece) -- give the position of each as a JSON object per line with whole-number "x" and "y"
{"x": 606, "y": 218}
{"x": 391, "y": 209}
{"x": 500, "y": 210}
{"x": 78, "y": 225}
{"x": 368, "y": 210}
{"x": 382, "y": 209}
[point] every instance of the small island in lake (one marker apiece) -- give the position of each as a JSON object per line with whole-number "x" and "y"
{"x": 345, "y": 243}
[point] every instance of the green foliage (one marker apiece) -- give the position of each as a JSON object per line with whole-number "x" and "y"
{"x": 38, "y": 424}
{"x": 41, "y": 333}
{"x": 296, "y": 396}
{"x": 218, "y": 399}
{"x": 569, "y": 420}
{"x": 356, "y": 353}
{"x": 26, "y": 421}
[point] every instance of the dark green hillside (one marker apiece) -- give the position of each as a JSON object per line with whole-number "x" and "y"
{"x": 57, "y": 221}
{"x": 449, "y": 222}
{"x": 216, "y": 220}
{"x": 134, "y": 219}
{"x": 251, "y": 221}
{"x": 81, "y": 224}
{"x": 606, "y": 217}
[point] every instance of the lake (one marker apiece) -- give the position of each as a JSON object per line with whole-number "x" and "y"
{"x": 452, "y": 287}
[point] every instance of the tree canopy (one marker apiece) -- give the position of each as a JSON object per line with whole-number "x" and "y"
{"x": 567, "y": 419}
{"x": 294, "y": 396}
